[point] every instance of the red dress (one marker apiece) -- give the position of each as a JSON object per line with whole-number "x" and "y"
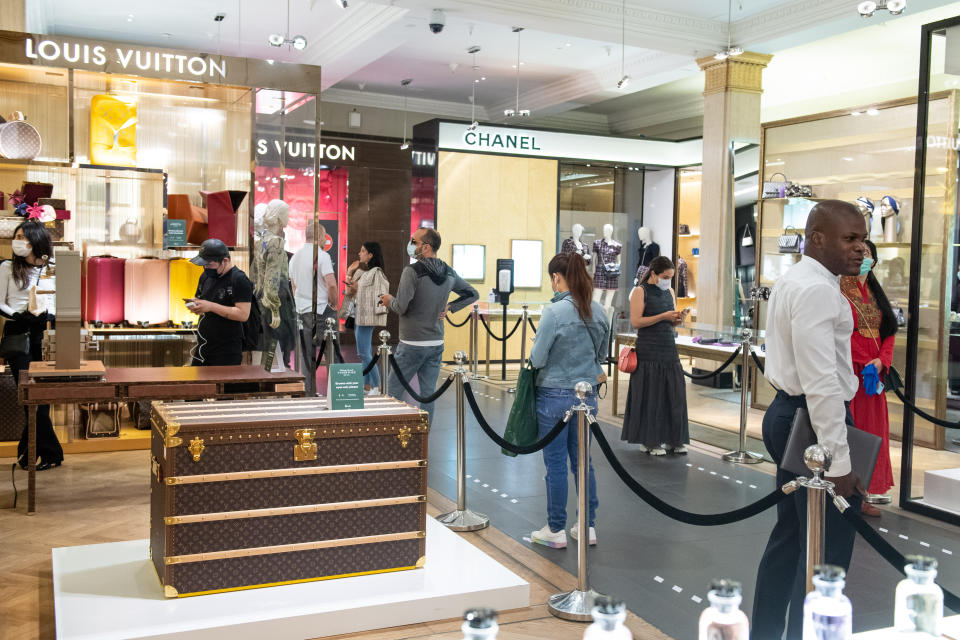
{"x": 870, "y": 412}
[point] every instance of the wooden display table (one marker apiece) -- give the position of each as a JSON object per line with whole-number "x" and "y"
{"x": 144, "y": 384}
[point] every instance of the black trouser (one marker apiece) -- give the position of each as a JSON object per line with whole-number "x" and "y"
{"x": 48, "y": 446}
{"x": 311, "y": 359}
{"x": 781, "y": 578}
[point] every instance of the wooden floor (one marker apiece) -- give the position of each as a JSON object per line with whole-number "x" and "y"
{"x": 103, "y": 497}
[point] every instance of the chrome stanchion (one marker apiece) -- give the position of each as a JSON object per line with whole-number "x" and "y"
{"x": 329, "y": 335}
{"x": 817, "y": 459}
{"x": 475, "y": 342}
{"x": 462, "y": 519}
{"x": 523, "y": 341}
{"x": 577, "y": 604}
{"x": 383, "y": 352}
{"x": 741, "y": 455}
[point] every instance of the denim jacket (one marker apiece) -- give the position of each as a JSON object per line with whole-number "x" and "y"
{"x": 568, "y": 349}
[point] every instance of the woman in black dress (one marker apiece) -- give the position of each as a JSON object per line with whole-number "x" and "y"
{"x": 656, "y": 414}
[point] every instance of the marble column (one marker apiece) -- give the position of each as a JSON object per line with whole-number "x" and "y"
{"x": 731, "y": 113}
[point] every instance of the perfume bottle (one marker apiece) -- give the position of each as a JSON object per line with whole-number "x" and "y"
{"x": 608, "y": 616}
{"x": 919, "y": 601}
{"x": 827, "y": 614}
{"x": 723, "y": 619}
{"x": 480, "y": 624}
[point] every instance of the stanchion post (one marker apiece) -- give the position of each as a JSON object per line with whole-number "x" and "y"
{"x": 817, "y": 459}
{"x": 741, "y": 455}
{"x": 475, "y": 342}
{"x": 577, "y": 604}
{"x": 329, "y": 335}
{"x": 461, "y": 518}
{"x": 383, "y": 352}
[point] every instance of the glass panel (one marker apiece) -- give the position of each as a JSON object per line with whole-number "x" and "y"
{"x": 40, "y": 93}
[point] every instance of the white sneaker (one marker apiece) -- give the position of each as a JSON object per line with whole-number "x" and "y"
{"x": 659, "y": 451}
{"x": 575, "y": 533}
{"x": 643, "y": 449}
{"x": 372, "y": 392}
{"x": 681, "y": 449}
{"x": 548, "y": 538}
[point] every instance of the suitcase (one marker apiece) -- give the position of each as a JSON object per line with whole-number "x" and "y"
{"x": 12, "y": 418}
{"x": 146, "y": 291}
{"x": 179, "y": 208}
{"x": 255, "y": 493}
{"x": 102, "y": 290}
{"x": 222, "y": 214}
{"x": 184, "y": 276}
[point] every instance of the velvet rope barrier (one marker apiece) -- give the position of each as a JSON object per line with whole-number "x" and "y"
{"x": 704, "y": 376}
{"x": 370, "y": 367}
{"x": 533, "y": 327}
{"x": 323, "y": 350}
{"x": 889, "y": 553}
{"x": 503, "y": 444}
{"x": 454, "y": 324}
{"x": 406, "y": 385}
{"x": 496, "y": 337}
{"x": 756, "y": 361}
{"x": 698, "y": 519}
{"x": 337, "y": 356}
{"x": 894, "y": 383}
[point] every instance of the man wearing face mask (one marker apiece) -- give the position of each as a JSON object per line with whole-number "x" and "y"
{"x": 223, "y": 299}
{"x": 421, "y": 303}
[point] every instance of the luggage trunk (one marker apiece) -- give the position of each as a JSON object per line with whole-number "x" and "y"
{"x": 184, "y": 276}
{"x": 102, "y": 290}
{"x": 146, "y": 291}
{"x": 256, "y": 493}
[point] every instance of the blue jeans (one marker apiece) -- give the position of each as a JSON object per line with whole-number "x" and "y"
{"x": 424, "y": 362}
{"x": 552, "y": 404}
{"x": 364, "y": 336}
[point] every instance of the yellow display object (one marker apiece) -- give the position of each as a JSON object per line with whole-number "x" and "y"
{"x": 184, "y": 276}
{"x": 113, "y": 130}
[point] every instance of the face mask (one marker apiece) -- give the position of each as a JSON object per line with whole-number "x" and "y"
{"x": 865, "y": 266}
{"x": 411, "y": 250}
{"x": 663, "y": 284}
{"x": 22, "y": 248}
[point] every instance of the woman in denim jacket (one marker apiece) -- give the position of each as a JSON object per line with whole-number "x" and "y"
{"x": 571, "y": 342}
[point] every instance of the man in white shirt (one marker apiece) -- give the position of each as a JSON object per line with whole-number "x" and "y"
{"x": 301, "y": 277}
{"x": 809, "y": 363}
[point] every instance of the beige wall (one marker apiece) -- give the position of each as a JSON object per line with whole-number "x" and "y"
{"x": 491, "y": 200}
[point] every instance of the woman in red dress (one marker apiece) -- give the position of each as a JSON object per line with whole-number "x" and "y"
{"x": 874, "y": 328}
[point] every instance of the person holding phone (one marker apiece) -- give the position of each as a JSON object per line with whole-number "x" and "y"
{"x": 656, "y": 414}
{"x": 223, "y": 299}
{"x": 366, "y": 282}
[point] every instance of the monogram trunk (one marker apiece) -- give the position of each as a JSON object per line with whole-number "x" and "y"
{"x": 257, "y": 493}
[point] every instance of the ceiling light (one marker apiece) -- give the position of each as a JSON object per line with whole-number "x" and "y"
{"x": 342, "y": 3}
{"x": 473, "y": 126}
{"x": 867, "y": 8}
{"x": 405, "y": 145}
{"x": 270, "y": 61}
{"x": 720, "y": 55}
{"x": 517, "y": 111}
{"x": 275, "y": 40}
{"x": 624, "y": 78}
{"x": 734, "y": 51}
{"x": 873, "y": 112}
{"x": 509, "y": 113}
{"x": 856, "y": 113}
{"x": 129, "y": 17}
{"x": 403, "y": 86}
{"x": 623, "y": 82}
{"x": 896, "y": 7}
{"x": 299, "y": 43}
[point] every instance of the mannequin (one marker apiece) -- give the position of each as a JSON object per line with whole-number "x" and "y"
{"x": 606, "y": 274}
{"x": 574, "y": 245}
{"x": 876, "y": 226}
{"x": 889, "y": 212}
{"x": 648, "y": 251}
{"x": 866, "y": 209}
{"x": 271, "y": 284}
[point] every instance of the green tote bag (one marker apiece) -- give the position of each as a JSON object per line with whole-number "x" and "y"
{"x": 521, "y": 427}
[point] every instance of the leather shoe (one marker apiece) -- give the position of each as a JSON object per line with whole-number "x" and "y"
{"x": 43, "y": 466}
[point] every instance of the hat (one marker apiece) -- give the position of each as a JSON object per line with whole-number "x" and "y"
{"x": 211, "y": 250}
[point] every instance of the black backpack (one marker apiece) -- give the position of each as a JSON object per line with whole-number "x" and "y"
{"x": 253, "y": 327}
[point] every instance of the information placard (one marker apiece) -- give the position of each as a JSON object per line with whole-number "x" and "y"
{"x": 176, "y": 233}
{"x": 345, "y": 386}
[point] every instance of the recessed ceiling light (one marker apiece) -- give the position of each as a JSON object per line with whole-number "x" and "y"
{"x": 129, "y": 17}
{"x": 567, "y": 44}
{"x": 873, "y": 112}
{"x": 856, "y": 113}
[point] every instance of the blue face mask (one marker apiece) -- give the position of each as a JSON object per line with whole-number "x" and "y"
{"x": 865, "y": 266}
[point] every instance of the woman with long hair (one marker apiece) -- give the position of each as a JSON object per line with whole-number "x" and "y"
{"x": 874, "y": 329}
{"x": 570, "y": 344}
{"x": 656, "y": 413}
{"x": 366, "y": 282}
{"x": 18, "y": 304}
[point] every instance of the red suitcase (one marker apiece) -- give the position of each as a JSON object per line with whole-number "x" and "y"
{"x": 146, "y": 291}
{"x": 102, "y": 290}
{"x": 222, "y": 214}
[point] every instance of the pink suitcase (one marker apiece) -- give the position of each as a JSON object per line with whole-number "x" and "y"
{"x": 102, "y": 290}
{"x": 146, "y": 291}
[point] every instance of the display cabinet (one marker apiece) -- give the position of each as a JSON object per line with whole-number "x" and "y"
{"x": 868, "y": 153}
{"x": 688, "y": 239}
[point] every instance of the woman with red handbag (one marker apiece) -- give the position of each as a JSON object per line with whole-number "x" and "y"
{"x": 656, "y": 414}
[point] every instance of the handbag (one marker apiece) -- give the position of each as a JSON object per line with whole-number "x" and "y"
{"x": 15, "y": 346}
{"x": 789, "y": 241}
{"x": 611, "y": 268}
{"x": 747, "y": 251}
{"x": 522, "y": 428}
{"x": 628, "y": 360}
{"x": 683, "y": 230}
{"x": 776, "y": 188}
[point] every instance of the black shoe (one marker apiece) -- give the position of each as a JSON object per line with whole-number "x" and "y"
{"x": 43, "y": 466}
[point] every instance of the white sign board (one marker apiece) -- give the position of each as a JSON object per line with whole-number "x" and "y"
{"x": 528, "y": 264}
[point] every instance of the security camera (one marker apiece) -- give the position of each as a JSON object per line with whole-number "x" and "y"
{"x": 437, "y": 20}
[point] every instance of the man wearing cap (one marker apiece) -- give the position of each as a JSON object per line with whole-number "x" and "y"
{"x": 223, "y": 299}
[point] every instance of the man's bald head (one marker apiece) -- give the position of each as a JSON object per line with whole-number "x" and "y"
{"x": 834, "y": 236}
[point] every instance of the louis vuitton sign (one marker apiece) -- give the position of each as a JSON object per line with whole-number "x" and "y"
{"x": 132, "y": 59}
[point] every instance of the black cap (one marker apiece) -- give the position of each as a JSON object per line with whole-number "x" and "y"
{"x": 211, "y": 250}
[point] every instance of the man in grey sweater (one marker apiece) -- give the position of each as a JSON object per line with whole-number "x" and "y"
{"x": 421, "y": 302}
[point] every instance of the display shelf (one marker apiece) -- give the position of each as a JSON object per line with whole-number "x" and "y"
{"x": 688, "y": 235}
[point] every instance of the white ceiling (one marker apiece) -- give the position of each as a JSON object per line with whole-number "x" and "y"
{"x": 570, "y": 48}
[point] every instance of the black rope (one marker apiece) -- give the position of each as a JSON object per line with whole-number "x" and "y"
{"x": 889, "y": 553}
{"x": 756, "y": 360}
{"x": 370, "y": 367}
{"x": 337, "y": 356}
{"x": 13, "y": 481}
{"x": 503, "y": 444}
{"x": 454, "y": 324}
{"x": 923, "y": 414}
{"x": 698, "y": 519}
{"x": 323, "y": 350}
{"x": 704, "y": 376}
{"x": 496, "y": 337}
{"x": 533, "y": 327}
{"x": 414, "y": 394}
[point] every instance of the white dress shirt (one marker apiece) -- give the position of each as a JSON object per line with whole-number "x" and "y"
{"x": 301, "y": 273}
{"x": 808, "y": 351}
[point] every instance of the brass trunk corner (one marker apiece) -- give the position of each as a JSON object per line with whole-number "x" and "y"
{"x": 421, "y": 562}
{"x": 306, "y": 448}
{"x": 170, "y": 435}
{"x": 169, "y": 592}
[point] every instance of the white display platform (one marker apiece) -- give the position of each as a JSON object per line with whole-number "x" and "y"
{"x": 941, "y": 488}
{"x": 950, "y": 630}
{"x": 107, "y": 591}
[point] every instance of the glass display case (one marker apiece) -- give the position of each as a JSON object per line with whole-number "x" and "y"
{"x": 688, "y": 239}
{"x": 866, "y": 153}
